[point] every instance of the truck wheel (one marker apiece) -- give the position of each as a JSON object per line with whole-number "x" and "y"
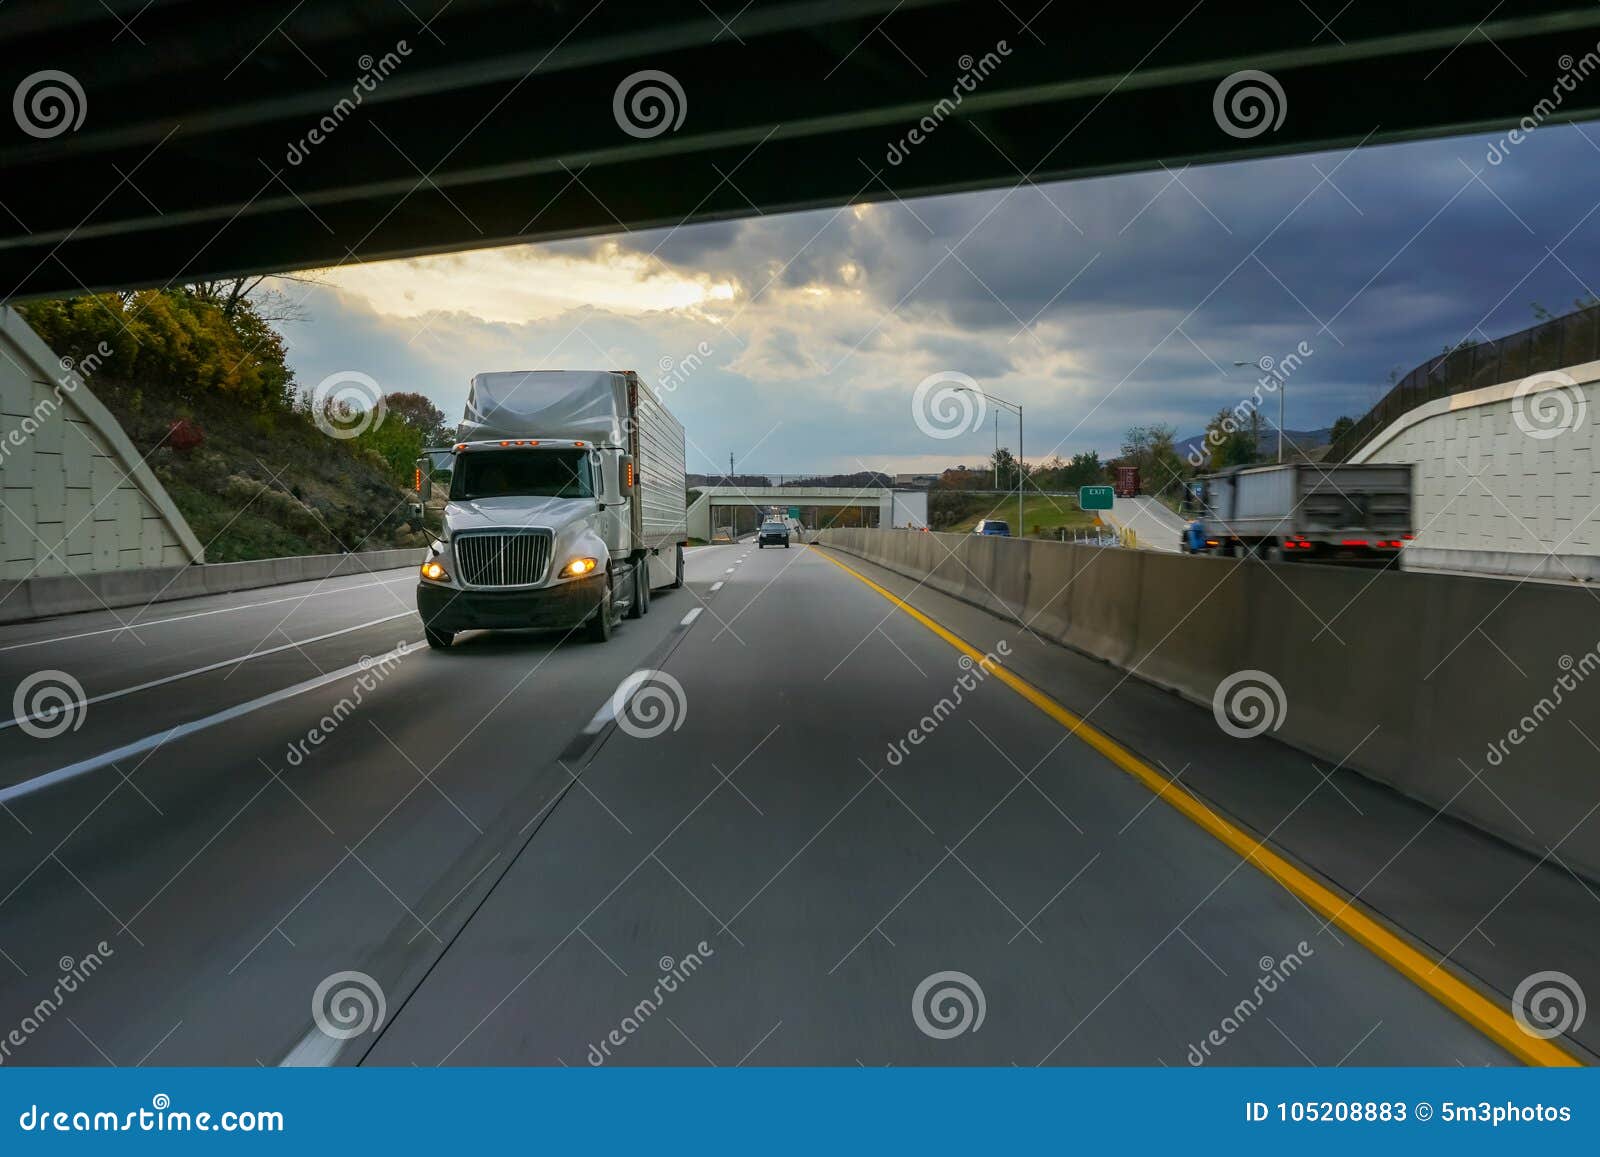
{"x": 677, "y": 582}
{"x": 598, "y": 629}
{"x": 438, "y": 640}
{"x": 639, "y": 604}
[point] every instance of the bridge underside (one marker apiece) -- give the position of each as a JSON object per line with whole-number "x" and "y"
{"x": 211, "y": 146}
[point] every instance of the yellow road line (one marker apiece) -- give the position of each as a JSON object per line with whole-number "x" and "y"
{"x": 1452, "y": 992}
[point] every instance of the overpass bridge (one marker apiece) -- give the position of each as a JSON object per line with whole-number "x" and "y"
{"x": 347, "y": 131}
{"x": 887, "y": 507}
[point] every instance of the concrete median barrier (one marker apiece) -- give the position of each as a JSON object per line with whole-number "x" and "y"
{"x": 1478, "y": 697}
{"x": 42, "y": 598}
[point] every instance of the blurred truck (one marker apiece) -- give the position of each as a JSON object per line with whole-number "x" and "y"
{"x": 1309, "y": 512}
{"x": 564, "y": 505}
{"x": 1127, "y": 484}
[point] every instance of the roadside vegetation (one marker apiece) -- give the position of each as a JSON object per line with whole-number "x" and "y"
{"x": 1043, "y": 516}
{"x": 199, "y": 381}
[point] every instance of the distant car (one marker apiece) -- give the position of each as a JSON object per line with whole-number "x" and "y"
{"x": 773, "y": 534}
{"x": 993, "y": 526}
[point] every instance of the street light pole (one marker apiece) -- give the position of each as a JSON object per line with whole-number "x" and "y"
{"x": 1016, "y": 409}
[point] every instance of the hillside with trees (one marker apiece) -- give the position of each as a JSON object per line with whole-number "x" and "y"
{"x": 197, "y": 377}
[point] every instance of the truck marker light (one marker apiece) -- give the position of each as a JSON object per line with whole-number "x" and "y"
{"x": 432, "y": 571}
{"x": 460, "y": 446}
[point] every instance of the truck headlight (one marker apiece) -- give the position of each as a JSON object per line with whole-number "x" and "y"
{"x": 433, "y": 572}
{"x": 578, "y": 566}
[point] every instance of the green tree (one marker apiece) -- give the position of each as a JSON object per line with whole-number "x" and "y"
{"x": 1003, "y": 465}
{"x": 1152, "y": 449}
{"x": 418, "y": 412}
{"x": 1232, "y": 440}
{"x": 1085, "y": 469}
{"x": 183, "y": 341}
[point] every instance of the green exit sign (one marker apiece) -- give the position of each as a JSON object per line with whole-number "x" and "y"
{"x": 794, "y": 512}
{"x": 1095, "y": 497}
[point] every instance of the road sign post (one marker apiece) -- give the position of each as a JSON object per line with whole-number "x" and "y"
{"x": 1095, "y": 497}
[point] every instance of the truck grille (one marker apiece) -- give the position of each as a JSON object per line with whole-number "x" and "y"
{"x": 503, "y": 560}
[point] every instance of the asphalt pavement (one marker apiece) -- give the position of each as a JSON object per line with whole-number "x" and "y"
{"x": 776, "y": 821}
{"x": 1156, "y": 526}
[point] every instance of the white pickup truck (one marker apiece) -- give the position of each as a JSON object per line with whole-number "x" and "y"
{"x": 563, "y": 503}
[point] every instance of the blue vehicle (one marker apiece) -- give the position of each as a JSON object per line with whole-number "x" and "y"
{"x": 993, "y": 526}
{"x": 1194, "y": 539}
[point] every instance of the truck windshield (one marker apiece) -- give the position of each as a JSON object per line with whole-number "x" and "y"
{"x": 508, "y": 473}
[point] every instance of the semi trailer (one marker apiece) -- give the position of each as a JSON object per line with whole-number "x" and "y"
{"x": 561, "y": 505}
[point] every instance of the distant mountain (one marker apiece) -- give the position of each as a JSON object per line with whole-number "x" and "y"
{"x": 1304, "y": 439}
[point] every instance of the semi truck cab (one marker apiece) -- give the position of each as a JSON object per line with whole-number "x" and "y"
{"x": 542, "y": 530}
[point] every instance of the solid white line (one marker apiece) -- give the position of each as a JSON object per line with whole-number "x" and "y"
{"x": 604, "y": 715}
{"x": 203, "y": 614}
{"x": 690, "y": 617}
{"x": 717, "y": 586}
{"x": 19, "y": 720}
{"x": 316, "y": 1050}
{"x": 139, "y": 746}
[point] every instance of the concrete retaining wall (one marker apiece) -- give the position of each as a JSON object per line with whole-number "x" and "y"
{"x": 1505, "y": 475}
{"x": 1475, "y": 696}
{"x": 39, "y": 598}
{"x": 75, "y": 496}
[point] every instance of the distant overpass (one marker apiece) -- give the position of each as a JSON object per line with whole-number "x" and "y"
{"x": 285, "y": 137}
{"x": 893, "y": 508}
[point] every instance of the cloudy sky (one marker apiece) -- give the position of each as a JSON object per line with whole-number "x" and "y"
{"x": 1096, "y": 304}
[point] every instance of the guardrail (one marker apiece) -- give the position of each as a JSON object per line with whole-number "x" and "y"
{"x": 1453, "y": 690}
{"x": 40, "y": 598}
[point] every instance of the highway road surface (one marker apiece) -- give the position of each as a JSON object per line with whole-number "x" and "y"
{"x": 1156, "y": 526}
{"x": 813, "y": 831}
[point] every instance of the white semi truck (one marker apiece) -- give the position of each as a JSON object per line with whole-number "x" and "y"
{"x": 563, "y": 505}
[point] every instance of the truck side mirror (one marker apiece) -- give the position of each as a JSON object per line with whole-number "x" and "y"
{"x": 428, "y": 510}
